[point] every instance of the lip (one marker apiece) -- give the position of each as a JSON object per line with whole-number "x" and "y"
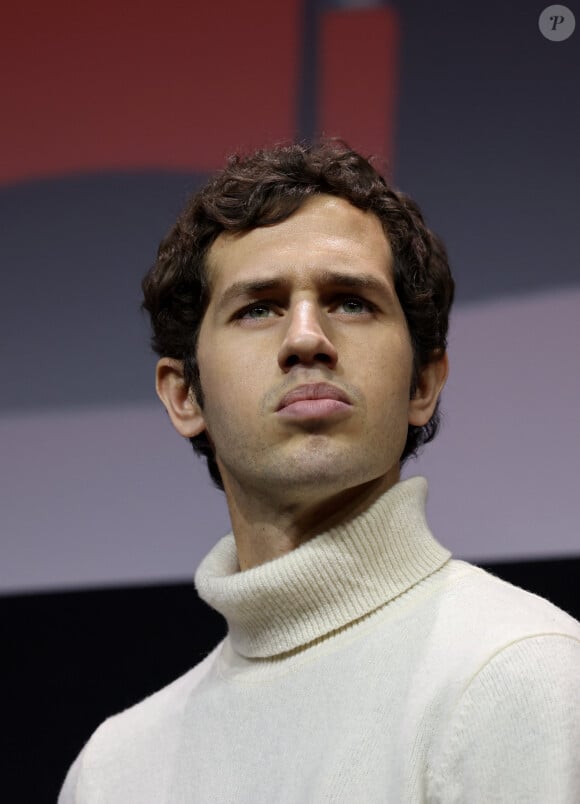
{"x": 314, "y": 400}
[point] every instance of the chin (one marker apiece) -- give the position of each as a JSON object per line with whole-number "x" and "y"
{"x": 330, "y": 476}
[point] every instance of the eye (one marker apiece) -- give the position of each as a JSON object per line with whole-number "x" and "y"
{"x": 256, "y": 311}
{"x": 354, "y": 305}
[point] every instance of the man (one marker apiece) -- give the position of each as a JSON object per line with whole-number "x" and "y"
{"x": 300, "y": 309}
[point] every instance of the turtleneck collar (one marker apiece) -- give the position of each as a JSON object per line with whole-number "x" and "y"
{"x": 328, "y": 582}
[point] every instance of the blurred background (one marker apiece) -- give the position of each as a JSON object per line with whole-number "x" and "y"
{"x": 112, "y": 116}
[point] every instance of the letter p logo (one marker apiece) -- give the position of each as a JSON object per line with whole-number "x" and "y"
{"x": 556, "y": 23}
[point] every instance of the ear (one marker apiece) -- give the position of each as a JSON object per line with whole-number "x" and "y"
{"x": 179, "y": 400}
{"x": 429, "y": 386}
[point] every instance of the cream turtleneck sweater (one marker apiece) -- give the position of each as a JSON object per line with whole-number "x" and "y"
{"x": 364, "y": 666}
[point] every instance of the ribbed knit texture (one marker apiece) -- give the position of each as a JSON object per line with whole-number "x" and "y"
{"x": 337, "y": 577}
{"x": 363, "y": 667}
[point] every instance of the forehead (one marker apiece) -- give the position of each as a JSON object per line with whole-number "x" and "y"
{"x": 325, "y": 232}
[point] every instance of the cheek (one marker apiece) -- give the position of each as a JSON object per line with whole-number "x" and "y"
{"x": 230, "y": 385}
{"x": 390, "y": 369}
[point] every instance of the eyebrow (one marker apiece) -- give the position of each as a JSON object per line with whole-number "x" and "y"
{"x": 334, "y": 278}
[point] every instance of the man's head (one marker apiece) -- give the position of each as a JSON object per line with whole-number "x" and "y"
{"x": 298, "y": 214}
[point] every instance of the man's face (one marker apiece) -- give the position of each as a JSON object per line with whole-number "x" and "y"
{"x": 308, "y": 301}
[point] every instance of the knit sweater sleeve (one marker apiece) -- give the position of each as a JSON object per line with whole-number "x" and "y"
{"x": 515, "y": 733}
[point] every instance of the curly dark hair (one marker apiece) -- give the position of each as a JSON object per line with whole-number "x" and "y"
{"x": 265, "y": 188}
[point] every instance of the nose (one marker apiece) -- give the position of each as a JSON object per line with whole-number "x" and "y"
{"x": 306, "y": 341}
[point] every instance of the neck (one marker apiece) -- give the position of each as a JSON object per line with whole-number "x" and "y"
{"x": 332, "y": 581}
{"x": 266, "y": 527}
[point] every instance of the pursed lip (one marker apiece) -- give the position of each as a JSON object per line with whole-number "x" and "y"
{"x": 320, "y": 390}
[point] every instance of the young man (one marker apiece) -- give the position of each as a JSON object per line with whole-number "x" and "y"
{"x": 300, "y": 310}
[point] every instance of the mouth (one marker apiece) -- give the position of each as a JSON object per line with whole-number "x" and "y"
{"x": 314, "y": 401}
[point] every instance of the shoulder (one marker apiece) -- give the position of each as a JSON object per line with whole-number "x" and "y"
{"x": 135, "y": 739}
{"x": 494, "y": 612}
{"x": 472, "y": 619}
{"x": 158, "y": 709}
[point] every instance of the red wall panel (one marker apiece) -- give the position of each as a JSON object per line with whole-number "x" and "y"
{"x": 95, "y": 86}
{"x": 358, "y": 78}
